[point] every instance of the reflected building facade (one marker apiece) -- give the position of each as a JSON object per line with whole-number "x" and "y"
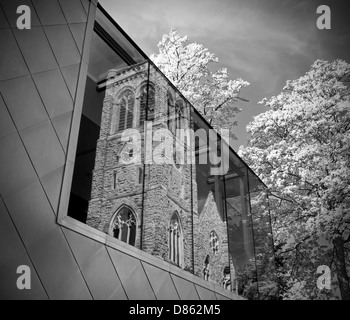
{"x": 146, "y": 164}
{"x": 111, "y": 185}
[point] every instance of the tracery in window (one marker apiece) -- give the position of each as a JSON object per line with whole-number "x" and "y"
{"x": 126, "y": 103}
{"x": 170, "y": 112}
{"x": 214, "y": 243}
{"x": 226, "y": 280}
{"x": 177, "y": 157}
{"x": 124, "y": 226}
{"x": 175, "y": 240}
{"x": 206, "y": 269}
{"x": 147, "y": 91}
{"x": 115, "y": 180}
{"x": 179, "y": 115}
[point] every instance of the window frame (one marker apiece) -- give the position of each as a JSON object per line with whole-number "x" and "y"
{"x": 214, "y": 243}
{"x": 120, "y": 235}
{"x": 178, "y": 249}
{"x": 92, "y": 27}
{"x": 128, "y": 110}
{"x": 63, "y": 202}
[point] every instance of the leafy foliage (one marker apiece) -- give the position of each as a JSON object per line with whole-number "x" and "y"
{"x": 300, "y": 148}
{"x": 187, "y": 65}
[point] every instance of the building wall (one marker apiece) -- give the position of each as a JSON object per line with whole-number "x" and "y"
{"x": 166, "y": 188}
{"x": 160, "y": 194}
{"x": 208, "y": 221}
{"x": 42, "y": 79}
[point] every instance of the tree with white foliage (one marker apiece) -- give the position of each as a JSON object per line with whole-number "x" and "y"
{"x": 186, "y": 65}
{"x": 300, "y": 148}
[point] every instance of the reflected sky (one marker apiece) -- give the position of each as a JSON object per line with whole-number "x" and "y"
{"x": 265, "y": 42}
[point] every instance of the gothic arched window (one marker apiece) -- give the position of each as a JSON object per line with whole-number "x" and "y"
{"x": 214, "y": 243}
{"x": 206, "y": 269}
{"x": 179, "y": 115}
{"x": 149, "y": 104}
{"x": 175, "y": 240}
{"x": 226, "y": 280}
{"x": 124, "y": 226}
{"x": 126, "y": 104}
{"x": 170, "y": 111}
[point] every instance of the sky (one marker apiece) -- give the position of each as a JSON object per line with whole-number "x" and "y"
{"x": 265, "y": 42}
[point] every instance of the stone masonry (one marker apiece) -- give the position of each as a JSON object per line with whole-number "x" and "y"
{"x": 153, "y": 191}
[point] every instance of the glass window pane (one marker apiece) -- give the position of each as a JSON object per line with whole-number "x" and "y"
{"x": 99, "y": 168}
{"x": 145, "y": 156}
{"x": 120, "y": 38}
{"x": 263, "y": 240}
{"x": 212, "y": 260}
{"x": 102, "y": 59}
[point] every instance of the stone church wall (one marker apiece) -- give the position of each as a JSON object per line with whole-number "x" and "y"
{"x": 163, "y": 190}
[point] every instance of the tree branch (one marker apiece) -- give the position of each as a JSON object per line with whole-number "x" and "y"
{"x": 296, "y": 246}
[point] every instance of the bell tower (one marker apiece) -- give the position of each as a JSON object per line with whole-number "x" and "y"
{"x": 141, "y": 194}
{"x": 144, "y": 189}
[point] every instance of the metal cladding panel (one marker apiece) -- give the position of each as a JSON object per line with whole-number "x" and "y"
{"x": 71, "y": 74}
{"x": 53, "y": 92}
{"x": 73, "y": 10}
{"x": 161, "y": 283}
{"x": 9, "y": 278}
{"x": 78, "y": 31}
{"x": 6, "y": 124}
{"x": 14, "y": 255}
{"x": 23, "y": 102}
{"x": 57, "y": 267}
{"x": 3, "y": 22}
{"x": 136, "y": 281}
{"x": 101, "y": 276}
{"x": 96, "y": 266}
{"x": 12, "y": 64}
{"x": 29, "y": 229}
{"x": 62, "y": 125}
{"x": 186, "y": 289}
{"x": 205, "y": 294}
{"x": 44, "y": 148}
{"x": 63, "y": 45}
{"x": 32, "y": 213}
{"x": 10, "y": 9}
{"x": 49, "y": 12}
{"x": 52, "y": 186}
{"x": 85, "y": 4}
{"x": 123, "y": 263}
{"x": 16, "y": 171}
{"x": 35, "y": 49}
{"x": 221, "y": 297}
{"x": 132, "y": 275}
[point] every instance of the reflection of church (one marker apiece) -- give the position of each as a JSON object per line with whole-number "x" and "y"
{"x": 166, "y": 209}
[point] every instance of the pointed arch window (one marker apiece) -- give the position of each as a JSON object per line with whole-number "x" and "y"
{"x": 175, "y": 240}
{"x": 206, "y": 269}
{"x": 214, "y": 243}
{"x": 179, "y": 115}
{"x": 170, "y": 111}
{"x": 226, "y": 280}
{"x": 124, "y": 226}
{"x": 150, "y": 104}
{"x": 126, "y": 104}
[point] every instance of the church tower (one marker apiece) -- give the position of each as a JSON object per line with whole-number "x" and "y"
{"x": 141, "y": 194}
{"x": 144, "y": 189}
